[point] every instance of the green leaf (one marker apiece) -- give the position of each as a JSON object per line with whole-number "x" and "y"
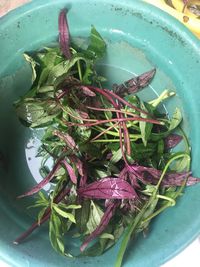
{"x": 105, "y": 243}
{"x": 33, "y": 65}
{"x": 140, "y": 153}
{"x": 149, "y": 190}
{"x": 43, "y": 196}
{"x": 58, "y": 187}
{"x": 160, "y": 147}
{"x": 82, "y": 216}
{"x": 173, "y": 124}
{"x": 101, "y": 173}
{"x": 83, "y": 134}
{"x": 129, "y": 232}
{"x": 60, "y": 172}
{"x": 41, "y": 214}
{"x": 107, "y": 236}
{"x": 73, "y": 206}
{"x": 95, "y": 217}
{"x": 143, "y": 225}
{"x": 67, "y": 207}
{"x": 117, "y": 155}
{"x": 37, "y": 113}
{"x": 181, "y": 164}
{"x": 43, "y": 77}
{"x": 117, "y": 233}
{"x": 48, "y": 58}
{"x": 176, "y": 119}
{"x": 62, "y": 68}
{"x": 145, "y": 127}
{"x": 55, "y": 234}
{"x": 88, "y": 73}
{"x": 42, "y": 201}
{"x": 43, "y": 121}
{"x": 64, "y": 214}
{"x": 97, "y": 46}
{"x": 30, "y": 112}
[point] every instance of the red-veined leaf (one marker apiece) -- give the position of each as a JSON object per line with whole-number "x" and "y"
{"x": 108, "y": 188}
{"x": 70, "y": 171}
{"x": 172, "y": 140}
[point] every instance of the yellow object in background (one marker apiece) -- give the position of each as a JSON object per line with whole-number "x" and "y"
{"x": 8, "y": 5}
{"x": 179, "y": 6}
{"x": 188, "y": 18}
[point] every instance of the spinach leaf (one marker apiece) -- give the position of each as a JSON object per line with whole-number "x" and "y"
{"x": 97, "y": 46}
{"x": 95, "y": 216}
{"x": 55, "y": 235}
{"x": 145, "y": 127}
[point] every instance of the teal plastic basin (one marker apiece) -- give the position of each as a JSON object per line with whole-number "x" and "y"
{"x": 139, "y": 37}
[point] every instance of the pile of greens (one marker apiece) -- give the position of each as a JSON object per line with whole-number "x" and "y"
{"x": 113, "y": 165}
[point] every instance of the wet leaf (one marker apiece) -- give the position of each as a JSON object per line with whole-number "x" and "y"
{"x": 108, "y": 188}
{"x": 97, "y": 46}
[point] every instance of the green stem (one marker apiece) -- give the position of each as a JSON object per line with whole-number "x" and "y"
{"x": 156, "y": 213}
{"x": 138, "y": 218}
{"x": 165, "y": 94}
{"x": 98, "y": 128}
{"x": 181, "y": 155}
{"x": 186, "y": 141}
{"x": 110, "y": 140}
{"x": 128, "y": 234}
{"x": 169, "y": 199}
{"x": 79, "y": 70}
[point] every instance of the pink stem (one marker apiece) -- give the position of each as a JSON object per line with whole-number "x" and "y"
{"x": 111, "y": 94}
{"x": 45, "y": 217}
{"x": 45, "y": 181}
{"x": 113, "y": 120}
{"x": 111, "y": 110}
{"x": 104, "y": 132}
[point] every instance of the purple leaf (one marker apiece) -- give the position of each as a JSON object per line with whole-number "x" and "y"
{"x": 84, "y": 177}
{"x": 110, "y": 95}
{"x": 78, "y": 163}
{"x": 102, "y": 226}
{"x": 34, "y": 226}
{"x": 67, "y": 139}
{"x": 87, "y": 91}
{"x": 82, "y": 114}
{"x": 70, "y": 171}
{"x": 134, "y": 181}
{"x": 45, "y": 181}
{"x": 172, "y": 140}
{"x": 131, "y": 175}
{"x": 151, "y": 176}
{"x": 64, "y": 34}
{"x": 145, "y": 78}
{"x": 63, "y": 192}
{"x": 133, "y": 85}
{"x": 108, "y": 188}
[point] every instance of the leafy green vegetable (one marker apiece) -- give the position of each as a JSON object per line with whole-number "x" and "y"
{"x": 113, "y": 168}
{"x": 33, "y": 65}
{"x": 94, "y": 217}
{"x": 97, "y": 46}
{"x": 145, "y": 127}
{"x": 55, "y": 235}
